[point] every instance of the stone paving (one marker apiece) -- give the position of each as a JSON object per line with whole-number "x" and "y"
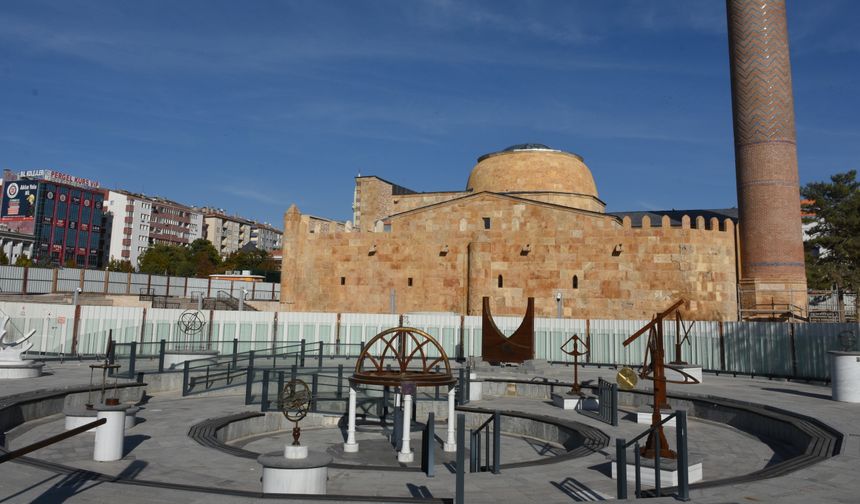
{"x": 158, "y": 449}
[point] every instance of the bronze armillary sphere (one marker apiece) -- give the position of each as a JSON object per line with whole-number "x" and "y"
{"x": 294, "y": 403}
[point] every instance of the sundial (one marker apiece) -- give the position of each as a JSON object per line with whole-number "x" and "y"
{"x": 294, "y": 403}
{"x": 580, "y": 347}
{"x": 626, "y": 379}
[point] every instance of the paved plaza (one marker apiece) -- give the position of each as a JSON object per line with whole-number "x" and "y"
{"x": 160, "y": 456}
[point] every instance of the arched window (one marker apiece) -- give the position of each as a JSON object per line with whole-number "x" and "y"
{"x": 575, "y": 282}
{"x": 501, "y": 282}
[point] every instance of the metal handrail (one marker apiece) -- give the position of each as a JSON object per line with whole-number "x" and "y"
{"x": 51, "y": 440}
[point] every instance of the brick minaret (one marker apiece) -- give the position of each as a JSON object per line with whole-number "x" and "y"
{"x": 772, "y": 271}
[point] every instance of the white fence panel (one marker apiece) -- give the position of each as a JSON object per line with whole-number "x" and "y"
{"x": 158, "y": 285}
{"x": 139, "y": 283}
{"x": 472, "y": 343}
{"x": 40, "y": 280}
{"x": 312, "y": 327}
{"x": 11, "y": 279}
{"x": 94, "y": 281}
{"x": 53, "y": 324}
{"x": 198, "y": 287}
{"x": 702, "y": 347}
{"x": 607, "y": 342}
{"x": 254, "y": 330}
{"x": 813, "y": 341}
{"x": 118, "y": 283}
{"x": 444, "y": 327}
{"x": 219, "y": 285}
{"x": 177, "y": 286}
{"x": 99, "y": 322}
{"x": 68, "y": 279}
{"x": 552, "y": 333}
{"x": 265, "y": 291}
{"x": 162, "y": 324}
{"x": 356, "y": 328}
{"x": 758, "y": 348}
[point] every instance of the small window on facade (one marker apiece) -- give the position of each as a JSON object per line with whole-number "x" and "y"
{"x": 486, "y": 223}
{"x": 501, "y": 282}
{"x": 343, "y": 280}
{"x": 409, "y": 281}
{"x": 575, "y": 282}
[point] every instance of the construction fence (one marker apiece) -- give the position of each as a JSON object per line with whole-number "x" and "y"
{"x": 797, "y": 350}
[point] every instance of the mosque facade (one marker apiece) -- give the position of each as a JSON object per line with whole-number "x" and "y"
{"x": 530, "y": 223}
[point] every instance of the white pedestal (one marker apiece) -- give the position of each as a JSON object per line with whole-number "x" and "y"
{"x": 668, "y": 473}
{"x": 16, "y": 370}
{"x": 570, "y": 402}
{"x": 174, "y": 359}
{"x": 694, "y": 371}
{"x": 644, "y": 417}
{"x": 405, "y": 454}
{"x": 476, "y": 388}
{"x": 351, "y": 446}
{"x": 110, "y": 436}
{"x": 76, "y": 417}
{"x": 307, "y": 475}
{"x": 845, "y": 376}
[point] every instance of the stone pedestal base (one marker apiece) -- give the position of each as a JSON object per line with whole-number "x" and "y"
{"x": 110, "y": 436}
{"x": 845, "y": 373}
{"x": 405, "y": 458}
{"x": 282, "y": 475}
{"x": 476, "y": 388}
{"x": 668, "y": 472}
{"x": 694, "y": 371}
{"x": 175, "y": 359}
{"x": 449, "y": 447}
{"x": 350, "y": 448}
{"x": 643, "y": 416}
{"x": 17, "y": 370}
{"x": 78, "y": 416}
{"x": 570, "y": 402}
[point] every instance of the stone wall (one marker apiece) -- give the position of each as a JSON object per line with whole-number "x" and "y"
{"x": 443, "y": 259}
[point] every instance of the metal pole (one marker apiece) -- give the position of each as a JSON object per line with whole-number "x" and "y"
{"x": 132, "y": 357}
{"x": 428, "y": 450}
{"x": 637, "y": 457}
{"x": 497, "y": 442}
{"x": 249, "y": 383}
{"x": 621, "y": 468}
{"x": 161, "y": 348}
{"x": 320, "y": 355}
{"x": 460, "y": 486}
{"x": 235, "y": 352}
{"x": 302, "y": 353}
{"x": 473, "y": 450}
{"x": 264, "y": 395}
{"x": 657, "y": 449}
{"x": 683, "y": 464}
{"x": 184, "y": 378}
{"x": 339, "y": 381}
{"x": 613, "y": 391}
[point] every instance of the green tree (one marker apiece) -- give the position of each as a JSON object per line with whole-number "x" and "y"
{"x": 255, "y": 260}
{"x": 23, "y": 261}
{"x": 163, "y": 260}
{"x": 833, "y": 252}
{"x": 4, "y": 259}
{"x": 122, "y": 266}
{"x": 203, "y": 258}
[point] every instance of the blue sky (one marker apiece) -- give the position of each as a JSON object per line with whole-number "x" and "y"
{"x": 252, "y": 106}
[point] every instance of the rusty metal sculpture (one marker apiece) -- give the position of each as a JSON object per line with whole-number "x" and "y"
{"x": 679, "y": 340}
{"x": 395, "y": 363}
{"x": 519, "y": 347}
{"x": 294, "y": 403}
{"x": 576, "y": 389}
{"x": 654, "y": 369}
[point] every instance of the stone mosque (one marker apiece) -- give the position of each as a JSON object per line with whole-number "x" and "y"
{"x": 531, "y": 224}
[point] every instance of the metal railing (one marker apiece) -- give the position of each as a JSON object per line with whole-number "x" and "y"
{"x": 493, "y": 448}
{"x": 682, "y": 462}
{"x": 607, "y": 406}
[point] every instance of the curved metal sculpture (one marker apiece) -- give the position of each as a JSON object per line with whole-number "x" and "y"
{"x": 191, "y": 322}
{"x": 394, "y": 364}
{"x": 8, "y": 350}
{"x": 294, "y": 403}
{"x": 496, "y": 347}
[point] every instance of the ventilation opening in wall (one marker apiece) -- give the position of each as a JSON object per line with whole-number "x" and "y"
{"x": 409, "y": 281}
{"x": 343, "y": 280}
{"x": 486, "y": 223}
{"x": 501, "y": 281}
{"x": 575, "y": 282}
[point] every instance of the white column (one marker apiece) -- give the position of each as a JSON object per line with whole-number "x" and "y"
{"x": 406, "y": 454}
{"x": 451, "y": 444}
{"x": 351, "y": 446}
{"x": 110, "y": 436}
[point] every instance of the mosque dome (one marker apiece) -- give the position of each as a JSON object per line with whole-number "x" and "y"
{"x": 531, "y": 167}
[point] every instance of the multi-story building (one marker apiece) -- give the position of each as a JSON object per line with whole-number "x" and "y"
{"x": 64, "y": 214}
{"x": 265, "y": 237}
{"x": 140, "y": 221}
{"x": 228, "y": 233}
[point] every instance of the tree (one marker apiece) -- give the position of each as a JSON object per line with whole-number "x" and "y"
{"x": 4, "y": 259}
{"x": 198, "y": 259}
{"x": 122, "y": 266}
{"x": 255, "y": 260}
{"x": 203, "y": 258}
{"x": 23, "y": 261}
{"x": 833, "y": 252}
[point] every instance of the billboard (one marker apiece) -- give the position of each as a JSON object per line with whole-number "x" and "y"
{"x": 18, "y": 209}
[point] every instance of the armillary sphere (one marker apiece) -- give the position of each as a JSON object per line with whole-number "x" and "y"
{"x": 576, "y": 352}
{"x": 191, "y": 322}
{"x": 294, "y": 403}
